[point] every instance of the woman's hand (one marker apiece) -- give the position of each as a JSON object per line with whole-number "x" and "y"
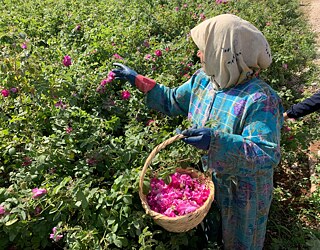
{"x": 123, "y": 72}
{"x": 198, "y": 137}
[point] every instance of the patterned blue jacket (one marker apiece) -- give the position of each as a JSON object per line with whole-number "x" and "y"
{"x": 245, "y": 148}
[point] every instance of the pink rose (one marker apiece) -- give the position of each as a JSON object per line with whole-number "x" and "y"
{"x": 202, "y": 16}
{"x": 158, "y": 52}
{"x": 146, "y": 44}
{"x": 67, "y": 61}
{"x": 2, "y": 210}
{"x": 68, "y": 130}
{"x": 147, "y": 57}
{"x": 24, "y": 45}
{"x": 5, "y": 93}
{"x": 38, "y": 192}
{"x": 117, "y": 56}
{"x": 14, "y": 90}
{"x": 125, "y": 95}
{"x": 54, "y": 236}
{"x": 26, "y": 161}
{"x": 149, "y": 122}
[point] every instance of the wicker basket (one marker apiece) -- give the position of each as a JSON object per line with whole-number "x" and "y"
{"x": 180, "y": 223}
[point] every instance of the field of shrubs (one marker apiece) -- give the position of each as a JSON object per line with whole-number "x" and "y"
{"x": 73, "y": 144}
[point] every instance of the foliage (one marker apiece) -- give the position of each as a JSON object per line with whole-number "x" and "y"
{"x": 61, "y": 131}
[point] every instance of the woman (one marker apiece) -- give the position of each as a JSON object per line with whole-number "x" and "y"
{"x": 243, "y": 144}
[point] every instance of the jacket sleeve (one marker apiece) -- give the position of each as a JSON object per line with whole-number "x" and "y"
{"x": 305, "y": 107}
{"x": 171, "y": 102}
{"x": 257, "y": 148}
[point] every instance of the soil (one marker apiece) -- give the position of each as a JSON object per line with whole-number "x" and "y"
{"x": 311, "y": 8}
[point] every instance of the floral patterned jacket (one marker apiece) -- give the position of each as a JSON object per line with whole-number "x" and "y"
{"x": 245, "y": 148}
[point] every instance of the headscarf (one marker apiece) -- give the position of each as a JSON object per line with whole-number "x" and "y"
{"x": 234, "y": 50}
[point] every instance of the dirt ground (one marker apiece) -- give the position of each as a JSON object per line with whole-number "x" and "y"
{"x": 312, "y": 10}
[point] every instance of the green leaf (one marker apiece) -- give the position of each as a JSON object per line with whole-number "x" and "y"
{"x": 127, "y": 199}
{"x": 114, "y": 227}
{"x": 10, "y": 222}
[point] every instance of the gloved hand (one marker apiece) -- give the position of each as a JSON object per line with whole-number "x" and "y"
{"x": 125, "y": 73}
{"x": 198, "y": 137}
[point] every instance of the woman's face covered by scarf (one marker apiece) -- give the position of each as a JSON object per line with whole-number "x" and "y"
{"x": 233, "y": 49}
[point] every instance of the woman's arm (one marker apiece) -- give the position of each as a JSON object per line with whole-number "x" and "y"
{"x": 169, "y": 101}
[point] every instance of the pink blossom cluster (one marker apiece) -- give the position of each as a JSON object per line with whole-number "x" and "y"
{"x": 109, "y": 79}
{"x": 181, "y": 196}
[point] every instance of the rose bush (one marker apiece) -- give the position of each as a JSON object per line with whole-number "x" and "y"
{"x": 73, "y": 140}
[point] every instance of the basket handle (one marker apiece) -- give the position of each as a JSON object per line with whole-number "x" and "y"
{"x": 153, "y": 154}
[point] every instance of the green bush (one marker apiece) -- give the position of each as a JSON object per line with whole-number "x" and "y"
{"x": 84, "y": 144}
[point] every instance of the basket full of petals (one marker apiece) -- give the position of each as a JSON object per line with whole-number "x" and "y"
{"x": 181, "y": 204}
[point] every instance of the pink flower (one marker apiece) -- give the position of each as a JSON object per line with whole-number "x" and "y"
{"x": 117, "y": 56}
{"x": 111, "y": 76}
{"x": 5, "y": 93}
{"x": 181, "y": 196}
{"x": 149, "y": 122}
{"x": 37, "y": 210}
{"x": 285, "y": 66}
{"x": 202, "y": 16}
{"x": 101, "y": 89}
{"x": 109, "y": 79}
{"x": 125, "y": 95}
{"x": 2, "y": 210}
{"x": 221, "y": 1}
{"x": 286, "y": 128}
{"x": 38, "y": 192}
{"x": 146, "y": 44}
{"x": 60, "y": 104}
{"x": 68, "y": 130}
{"x": 104, "y": 82}
{"x": 147, "y": 57}
{"x": 54, "y": 236}
{"x": 158, "y": 52}
{"x": 14, "y": 90}
{"x": 26, "y": 161}
{"x": 78, "y": 27}
{"x": 24, "y": 45}
{"x": 91, "y": 161}
{"x": 67, "y": 61}
{"x": 290, "y": 138}
{"x": 268, "y": 23}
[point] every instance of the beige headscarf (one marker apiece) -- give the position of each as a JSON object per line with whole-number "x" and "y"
{"x": 234, "y": 50}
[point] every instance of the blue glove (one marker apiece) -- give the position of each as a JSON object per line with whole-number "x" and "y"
{"x": 198, "y": 137}
{"x": 143, "y": 83}
{"x": 125, "y": 73}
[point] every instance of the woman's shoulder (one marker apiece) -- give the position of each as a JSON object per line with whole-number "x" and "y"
{"x": 258, "y": 85}
{"x": 255, "y": 90}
